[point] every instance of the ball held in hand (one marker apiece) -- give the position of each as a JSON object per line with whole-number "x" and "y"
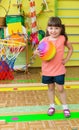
{"x": 47, "y": 50}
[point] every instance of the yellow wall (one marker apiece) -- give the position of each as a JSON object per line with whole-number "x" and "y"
{"x": 8, "y": 5}
{"x": 68, "y": 11}
{"x": 55, "y": 7}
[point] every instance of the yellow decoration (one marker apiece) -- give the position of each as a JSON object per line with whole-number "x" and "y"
{"x": 14, "y": 28}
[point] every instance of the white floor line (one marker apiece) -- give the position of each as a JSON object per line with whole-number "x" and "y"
{"x": 33, "y": 84}
{"x": 35, "y": 108}
{"x": 21, "y": 84}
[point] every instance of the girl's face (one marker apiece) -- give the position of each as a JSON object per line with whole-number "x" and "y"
{"x": 53, "y": 31}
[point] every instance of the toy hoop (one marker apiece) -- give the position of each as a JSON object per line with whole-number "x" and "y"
{"x": 9, "y": 50}
{"x": 11, "y": 43}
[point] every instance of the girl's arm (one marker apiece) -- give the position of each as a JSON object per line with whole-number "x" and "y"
{"x": 36, "y": 52}
{"x": 70, "y": 50}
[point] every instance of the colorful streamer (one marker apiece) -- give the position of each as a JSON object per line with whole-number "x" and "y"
{"x": 33, "y": 16}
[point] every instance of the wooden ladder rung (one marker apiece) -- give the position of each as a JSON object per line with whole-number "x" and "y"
{"x": 74, "y": 42}
{"x": 72, "y": 25}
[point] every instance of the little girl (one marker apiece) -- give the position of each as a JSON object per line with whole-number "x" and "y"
{"x": 53, "y": 71}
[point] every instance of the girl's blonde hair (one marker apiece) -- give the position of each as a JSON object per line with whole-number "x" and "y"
{"x": 56, "y": 21}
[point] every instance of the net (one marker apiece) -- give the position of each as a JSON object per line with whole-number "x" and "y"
{"x": 9, "y": 51}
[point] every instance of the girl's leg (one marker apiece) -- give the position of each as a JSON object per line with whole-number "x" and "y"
{"x": 63, "y": 100}
{"x": 62, "y": 93}
{"x": 51, "y": 96}
{"x": 51, "y": 93}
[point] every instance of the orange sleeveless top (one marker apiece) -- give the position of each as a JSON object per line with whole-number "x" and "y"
{"x": 54, "y": 67}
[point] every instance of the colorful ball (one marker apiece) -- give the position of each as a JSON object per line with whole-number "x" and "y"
{"x": 47, "y": 50}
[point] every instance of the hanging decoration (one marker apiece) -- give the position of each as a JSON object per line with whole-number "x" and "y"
{"x": 44, "y": 7}
{"x": 19, "y": 6}
{"x": 33, "y": 36}
{"x": 28, "y": 16}
{"x": 33, "y": 17}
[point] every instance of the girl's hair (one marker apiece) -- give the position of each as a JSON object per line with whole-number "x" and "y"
{"x": 56, "y": 21}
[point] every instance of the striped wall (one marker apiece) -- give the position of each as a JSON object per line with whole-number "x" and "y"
{"x": 68, "y": 11}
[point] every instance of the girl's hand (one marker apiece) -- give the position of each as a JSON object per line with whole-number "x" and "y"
{"x": 36, "y": 52}
{"x": 64, "y": 61}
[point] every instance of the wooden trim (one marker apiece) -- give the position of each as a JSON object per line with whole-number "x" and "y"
{"x": 72, "y": 25}
{"x": 74, "y": 42}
